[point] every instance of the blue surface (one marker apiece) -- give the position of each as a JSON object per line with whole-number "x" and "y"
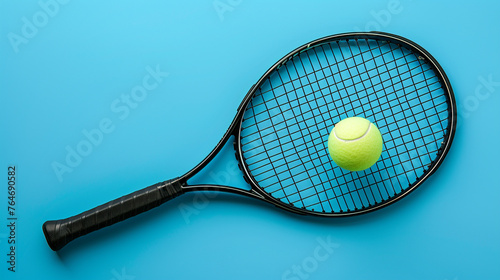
{"x": 72, "y": 74}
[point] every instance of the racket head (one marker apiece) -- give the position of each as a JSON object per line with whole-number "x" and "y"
{"x": 286, "y": 118}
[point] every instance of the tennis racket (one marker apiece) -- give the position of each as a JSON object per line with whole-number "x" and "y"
{"x": 281, "y": 129}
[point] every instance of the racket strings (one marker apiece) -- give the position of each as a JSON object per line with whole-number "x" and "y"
{"x": 290, "y": 109}
{"x": 248, "y": 123}
{"x": 310, "y": 108}
{"x": 294, "y": 183}
{"x": 248, "y": 151}
{"x": 299, "y": 181}
{"x": 311, "y": 160}
{"x": 256, "y": 168}
{"x": 337, "y": 196}
{"x": 405, "y": 96}
{"x": 272, "y": 89}
{"x": 286, "y": 124}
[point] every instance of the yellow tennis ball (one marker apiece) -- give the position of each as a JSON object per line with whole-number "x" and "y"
{"x": 355, "y": 144}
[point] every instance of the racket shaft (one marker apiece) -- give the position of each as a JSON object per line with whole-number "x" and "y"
{"x": 60, "y": 232}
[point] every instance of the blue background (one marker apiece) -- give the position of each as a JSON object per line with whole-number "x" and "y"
{"x": 63, "y": 77}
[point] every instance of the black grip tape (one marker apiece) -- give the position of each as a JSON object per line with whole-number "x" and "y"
{"x": 60, "y": 232}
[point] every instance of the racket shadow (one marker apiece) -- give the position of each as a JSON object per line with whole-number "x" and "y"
{"x": 95, "y": 241}
{"x": 169, "y": 213}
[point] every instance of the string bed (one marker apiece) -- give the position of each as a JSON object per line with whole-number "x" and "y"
{"x": 286, "y": 125}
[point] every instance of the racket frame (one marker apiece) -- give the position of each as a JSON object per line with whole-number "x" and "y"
{"x": 235, "y": 130}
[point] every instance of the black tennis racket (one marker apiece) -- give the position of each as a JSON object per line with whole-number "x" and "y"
{"x": 282, "y": 126}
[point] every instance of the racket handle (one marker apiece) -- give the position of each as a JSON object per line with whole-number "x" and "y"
{"x": 60, "y": 232}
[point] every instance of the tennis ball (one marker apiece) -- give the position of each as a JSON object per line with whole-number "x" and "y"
{"x": 355, "y": 144}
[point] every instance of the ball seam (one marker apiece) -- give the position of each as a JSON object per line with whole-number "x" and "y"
{"x": 352, "y": 140}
